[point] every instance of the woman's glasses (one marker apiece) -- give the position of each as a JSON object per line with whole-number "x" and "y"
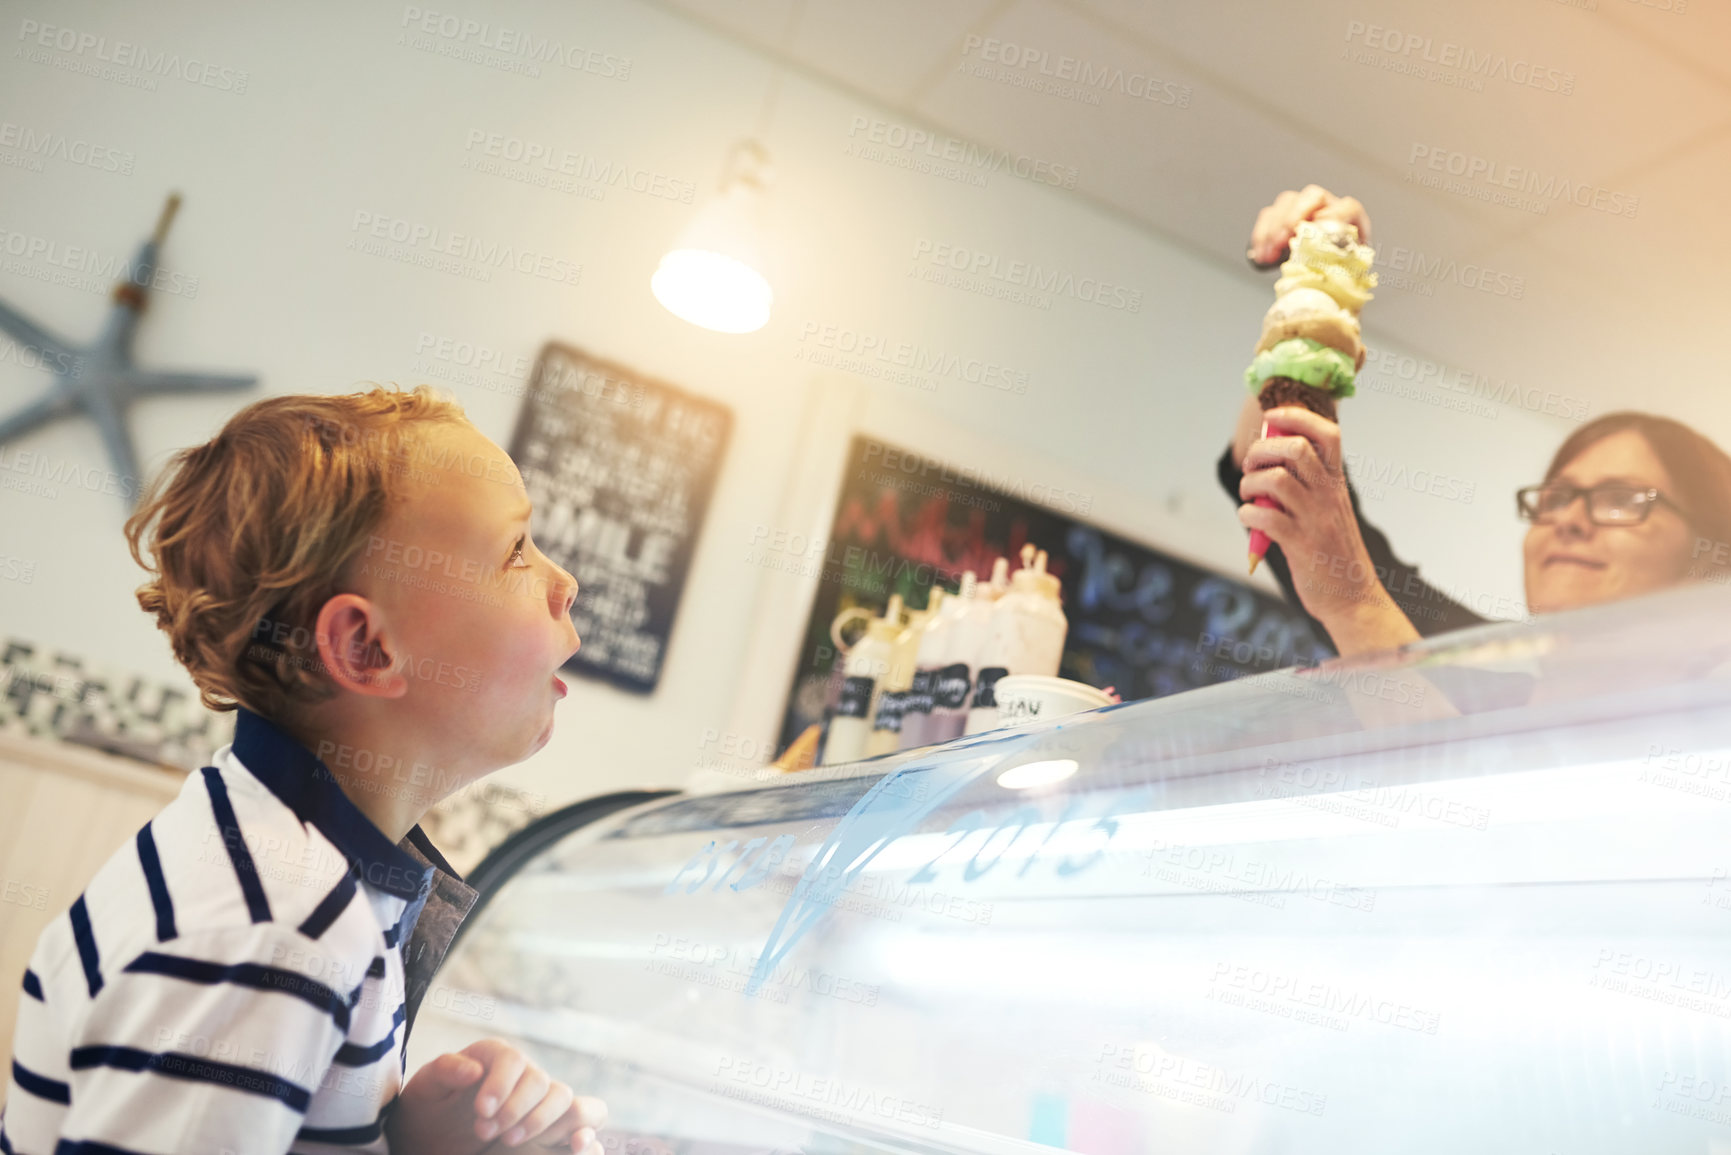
{"x": 1609, "y": 504}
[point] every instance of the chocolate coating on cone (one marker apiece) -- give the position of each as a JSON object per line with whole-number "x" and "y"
{"x": 1278, "y": 391}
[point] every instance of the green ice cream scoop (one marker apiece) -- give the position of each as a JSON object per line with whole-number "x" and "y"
{"x": 1304, "y": 360}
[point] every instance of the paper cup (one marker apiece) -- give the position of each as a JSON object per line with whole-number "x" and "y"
{"x": 1035, "y": 698}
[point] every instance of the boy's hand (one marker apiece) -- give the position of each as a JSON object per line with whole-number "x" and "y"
{"x": 487, "y": 1099}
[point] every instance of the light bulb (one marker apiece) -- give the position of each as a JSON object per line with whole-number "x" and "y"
{"x": 713, "y": 290}
{"x": 711, "y": 276}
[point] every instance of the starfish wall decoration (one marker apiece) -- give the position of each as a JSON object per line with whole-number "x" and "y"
{"x": 100, "y": 377}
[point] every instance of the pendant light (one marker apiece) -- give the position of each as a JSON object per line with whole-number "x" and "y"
{"x": 713, "y": 276}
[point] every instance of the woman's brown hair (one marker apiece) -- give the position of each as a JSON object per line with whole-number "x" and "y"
{"x": 1700, "y": 479}
{"x": 248, "y": 535}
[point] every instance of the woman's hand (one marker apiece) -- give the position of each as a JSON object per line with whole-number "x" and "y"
{"x": 516, "y": 1103}
{"x": 1278, "y": 223}
{"x": 1300, "y": 470}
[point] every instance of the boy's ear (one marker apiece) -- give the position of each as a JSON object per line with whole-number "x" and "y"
{"x": 354, "y": 650}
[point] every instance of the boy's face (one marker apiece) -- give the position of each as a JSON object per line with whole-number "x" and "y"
{"x": 479, "y": 617}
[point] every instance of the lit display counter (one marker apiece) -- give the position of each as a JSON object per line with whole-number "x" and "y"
{"x": 1473, "y": 898}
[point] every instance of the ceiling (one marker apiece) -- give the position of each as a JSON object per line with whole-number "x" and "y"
{"x": 1628, "y": 100}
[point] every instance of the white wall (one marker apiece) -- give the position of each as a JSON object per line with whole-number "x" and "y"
{"x": 339, "y": 117}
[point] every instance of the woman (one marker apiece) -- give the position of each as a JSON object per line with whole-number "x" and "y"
{"x": 1631, "y": 503}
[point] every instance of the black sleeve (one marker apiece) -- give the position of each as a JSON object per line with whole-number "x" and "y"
{"x": 1428, "y": 609}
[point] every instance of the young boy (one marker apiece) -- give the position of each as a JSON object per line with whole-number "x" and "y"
{"x": 353, "y": 575}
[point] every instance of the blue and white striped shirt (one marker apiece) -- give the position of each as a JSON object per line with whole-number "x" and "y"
{"x": 231, "y": 981}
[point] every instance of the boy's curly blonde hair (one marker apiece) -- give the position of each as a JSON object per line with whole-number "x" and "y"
{"x": 248, "y": 535}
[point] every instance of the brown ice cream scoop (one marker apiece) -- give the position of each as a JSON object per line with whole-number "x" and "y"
{"x": 1339, "y": 332}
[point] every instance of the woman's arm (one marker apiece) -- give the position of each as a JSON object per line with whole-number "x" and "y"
{"x": 1428, "y": 609}
{"x": 1317, "y": 529}
{"x": 1341, "y": 570}
{"x": 1248, "y": 429}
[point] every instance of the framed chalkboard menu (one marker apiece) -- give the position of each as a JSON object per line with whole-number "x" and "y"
{"x": 1141, "y": 620}
{"x": 620, "y": 467}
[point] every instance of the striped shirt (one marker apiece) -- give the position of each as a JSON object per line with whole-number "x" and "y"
{"x": 231, "y": 980}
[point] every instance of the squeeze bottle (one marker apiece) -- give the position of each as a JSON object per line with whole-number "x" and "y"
{"x": 1027, "y": 636}
{"x": 965, "y": 640}
{"x": 895, "y": 692}
{"x": 928, "y": 660}
{"x": 868, "y": 664}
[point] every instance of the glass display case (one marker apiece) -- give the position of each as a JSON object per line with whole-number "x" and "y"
{"x": 1473, "y": 896}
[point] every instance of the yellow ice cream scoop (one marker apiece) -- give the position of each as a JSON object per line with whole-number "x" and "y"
{"x": 1326, "y": 255}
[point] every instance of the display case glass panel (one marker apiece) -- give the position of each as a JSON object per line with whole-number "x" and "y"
{"x": 1475, "y": 896}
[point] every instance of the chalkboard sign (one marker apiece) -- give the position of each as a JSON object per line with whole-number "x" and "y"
{"x": 620, "y": 467}
{"x": 1141, "y": 621}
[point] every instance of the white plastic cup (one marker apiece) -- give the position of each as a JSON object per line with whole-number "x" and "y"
{"x": 1036, "y": 697}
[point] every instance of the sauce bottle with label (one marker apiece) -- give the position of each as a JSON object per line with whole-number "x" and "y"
{"x": 895, "y": 695}
{"x": 868, "y": 665}
{"x": 929, "y": 654}
{"x": 965, "y": 639}
{"x": 1027, "y": 636}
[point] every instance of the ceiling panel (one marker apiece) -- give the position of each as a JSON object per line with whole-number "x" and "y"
{"x": 886, "y": 47}
{"x": 1250, "y": 99}
{"x": 762, "y": 23}
{"x": 1696, "y": 33}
